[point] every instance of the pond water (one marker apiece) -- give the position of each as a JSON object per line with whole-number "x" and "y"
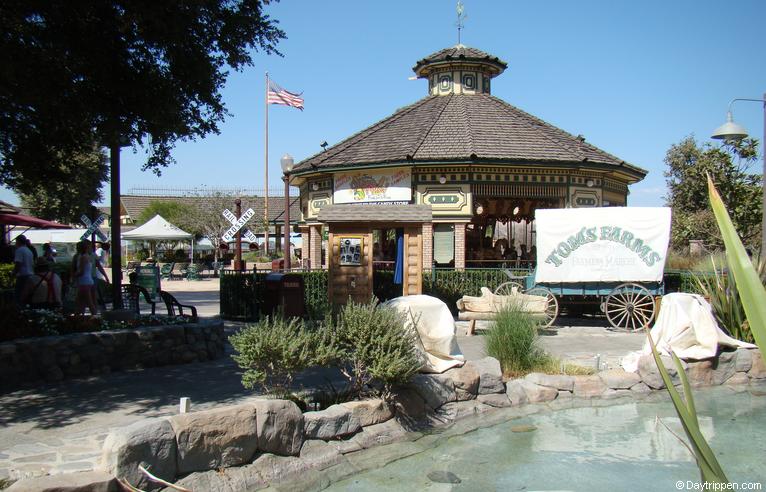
{"x": 619, "y": 447}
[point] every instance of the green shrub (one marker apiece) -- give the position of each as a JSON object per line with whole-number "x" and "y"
{"x": 7, "y": 280}
{"x": 377, "y": 347}
{"x": 721, "y": 291}
{"x": 274, "y": 350}
{"x": 513, "y": 340}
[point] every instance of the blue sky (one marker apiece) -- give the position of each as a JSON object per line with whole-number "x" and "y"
{"x": 632, "y": 77}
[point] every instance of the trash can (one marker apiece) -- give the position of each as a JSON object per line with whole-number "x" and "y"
{"x": 285, "y": 292}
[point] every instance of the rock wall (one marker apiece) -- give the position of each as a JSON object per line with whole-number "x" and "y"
{"x": 50, "y": 359}
{"x": 253, "y": 445}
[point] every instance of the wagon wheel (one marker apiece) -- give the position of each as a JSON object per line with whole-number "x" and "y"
{"x": 509, "y": 288}
{"x": 629, "y": 307}
{"x": 552, "y": 305}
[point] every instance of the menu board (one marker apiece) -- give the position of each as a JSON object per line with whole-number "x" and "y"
{"x": 350, "y": 251}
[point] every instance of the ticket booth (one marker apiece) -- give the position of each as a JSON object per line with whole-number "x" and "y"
{"x": 352, "y": 245}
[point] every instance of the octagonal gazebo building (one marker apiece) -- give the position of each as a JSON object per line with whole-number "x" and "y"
{"x": 482, "y": 165}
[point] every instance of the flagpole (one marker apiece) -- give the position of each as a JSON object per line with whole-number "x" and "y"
{"x": 266, "y": 166}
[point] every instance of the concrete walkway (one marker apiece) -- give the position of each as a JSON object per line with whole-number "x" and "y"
{"x": 61, "y": 427}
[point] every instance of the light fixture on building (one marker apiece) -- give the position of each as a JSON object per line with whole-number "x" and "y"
{"x": 442, "y": 179}
{"x": 479, "y": 208}
{"x": 315, "y": 186}
{"x": 323, "y": 145}
{"x": 590, "y": 183}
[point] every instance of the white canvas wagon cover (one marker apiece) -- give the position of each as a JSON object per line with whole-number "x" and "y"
{"x": 610, "y": 244}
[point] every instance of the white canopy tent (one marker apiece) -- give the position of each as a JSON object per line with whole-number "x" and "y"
{"x": 159, "y": 229}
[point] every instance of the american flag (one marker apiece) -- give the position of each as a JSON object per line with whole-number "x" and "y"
{"x": 277, "y": 95}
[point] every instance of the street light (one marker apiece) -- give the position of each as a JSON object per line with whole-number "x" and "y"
{"x": 287, "y": 165}
{"x": 731, "y": 131}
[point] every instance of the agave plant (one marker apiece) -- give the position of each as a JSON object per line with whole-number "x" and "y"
{"x": 752, "y": 296}
{"x": 721, "y": 291}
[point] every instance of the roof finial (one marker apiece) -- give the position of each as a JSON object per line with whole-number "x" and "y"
{"x": 461, "y": 16}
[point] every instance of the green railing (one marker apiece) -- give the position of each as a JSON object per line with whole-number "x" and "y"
{"x": 241, "y": 292}
{"x": 240, "y": 295}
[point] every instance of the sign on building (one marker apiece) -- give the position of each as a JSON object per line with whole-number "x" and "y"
{"x": 390, "y": 185}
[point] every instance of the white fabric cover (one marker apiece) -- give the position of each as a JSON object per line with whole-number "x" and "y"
{"x": 687, "y": 326}
{"x": 157, "y": 229}
{"x": 608, "y": 244}
{"x": 436, "y": 330}
{"x": 488, "y": 302}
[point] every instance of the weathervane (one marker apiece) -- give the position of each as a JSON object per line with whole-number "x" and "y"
{"x": 461, "y": 16}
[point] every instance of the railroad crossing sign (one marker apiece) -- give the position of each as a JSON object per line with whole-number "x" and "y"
{"x": 93, "y": 227}
{"x": 237, "y": 224}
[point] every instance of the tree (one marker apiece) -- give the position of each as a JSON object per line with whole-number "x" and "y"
{"x": 206, "y": 219}
{"x": 171, "y": 210}
{"x": 60, "y": 200}
{"x": 688, "y": 163}
{"x": 149, "y": 73}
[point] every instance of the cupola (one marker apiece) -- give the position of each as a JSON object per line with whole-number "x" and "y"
{"x": 459, "y": 70}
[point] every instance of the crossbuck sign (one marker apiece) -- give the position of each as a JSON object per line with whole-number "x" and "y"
{"x": 237, "y": 224}
{"x": 93, "y": 227}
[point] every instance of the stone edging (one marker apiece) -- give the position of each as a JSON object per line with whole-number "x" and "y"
{"x": 263, "y": 442}
{"x": 30, "y": 361}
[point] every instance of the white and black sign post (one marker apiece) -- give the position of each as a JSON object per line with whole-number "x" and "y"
{"x": 93, "y": 227}
{"x": 238, "y": 221}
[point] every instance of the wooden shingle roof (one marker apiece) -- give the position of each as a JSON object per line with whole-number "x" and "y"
{"x": 463, "y": 128}
{"x": 460, "y": 53}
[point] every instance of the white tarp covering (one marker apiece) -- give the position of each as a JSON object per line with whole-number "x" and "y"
{"x": 602, "y": 244}
{"x": 436, "y": 329}
{"x": 157, "y": 229}
{"x": 686, "y": 326}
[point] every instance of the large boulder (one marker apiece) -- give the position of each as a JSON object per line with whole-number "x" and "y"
{"x": 279, "y": 425}
{"x": 758, "y": 368}
{"x": 724, "y": 367}
{"x": 744, "y": 360}
{"x": 588, "y": 386}
{"x": 378, "y": 434}
{"x": 497, "y": 400}
{"x": 650, "y": 375}
{"x": 216, "y": 438}
{"x": 152, "y": 442}
{"x": 619, "y": 379}
{"x": 409, "y": 406}
{"x": 320, "y": 454}
{"x": 369, "y": 412}
{"x": 490, "y": 375}
{"x": 700, "y": 372}
{"x": 514, "y": 390}
{"x": 536, "y": 393}
{"x": 466, "y": 380}
{"x": 333, "y": 422}
{"x": 434, "y": 389}
{"x": 94, "y": 481}
{"x": 558, "y": 381}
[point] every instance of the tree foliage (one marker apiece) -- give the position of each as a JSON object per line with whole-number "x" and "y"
{"x": 66, "y": 200}
{"x": 206, "y": 218}
{"x": 173, "y": 211}
{"x": 145, "y": 73}
{"x": 688, "y": 162}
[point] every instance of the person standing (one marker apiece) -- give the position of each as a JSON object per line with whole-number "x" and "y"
{"x": 102, "y": 253}
{"x": 86, "y": 292}
{"x": 23, "y": 267}
{"x": 49, "y": 253}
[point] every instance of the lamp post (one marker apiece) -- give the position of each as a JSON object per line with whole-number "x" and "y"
{"x": 114, "y": 166}
{"x": 731, "y": 131}
{"x": 287, "y": 165}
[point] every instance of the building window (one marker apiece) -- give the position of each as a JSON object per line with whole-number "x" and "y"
{"x": 445, "y": 83}
{"x": 469, "y": 81}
